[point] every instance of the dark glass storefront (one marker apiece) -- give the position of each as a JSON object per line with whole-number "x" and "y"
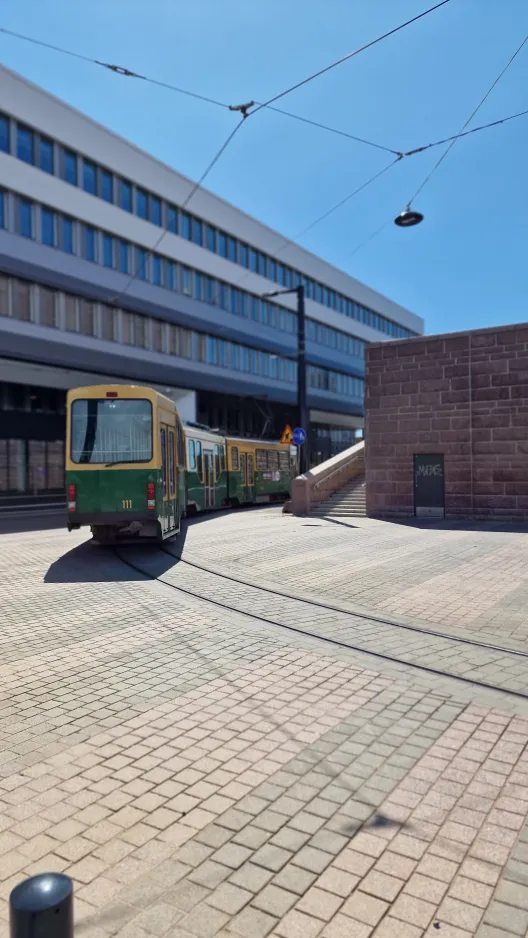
{"x": 32, "y": 431}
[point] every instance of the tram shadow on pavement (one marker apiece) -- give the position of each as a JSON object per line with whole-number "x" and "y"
{"x": 91, "y": 563}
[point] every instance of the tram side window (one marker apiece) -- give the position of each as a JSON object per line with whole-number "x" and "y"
{"x": 234, "y": 459}
{"x": 273, "y": 459}
{"x": 222, "y": 459}
{"x": 284, "y": 461}
{"x": 172, "y": 453}
{"x": 181, "y": 446}
{"x": 217, "y": 460}
{"x": 199, "y": 459}
{"x": 164, "y": 459}
{"x": 192, "y": 455}
{"x": 262, "y": 460}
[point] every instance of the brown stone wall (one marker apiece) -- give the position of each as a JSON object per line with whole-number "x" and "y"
{"x": 464, "y": 395}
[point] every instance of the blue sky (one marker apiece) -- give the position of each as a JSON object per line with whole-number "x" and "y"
{"x": 465, "y": 266}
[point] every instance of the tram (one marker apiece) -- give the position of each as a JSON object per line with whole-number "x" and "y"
{"x": 133, "y": 470}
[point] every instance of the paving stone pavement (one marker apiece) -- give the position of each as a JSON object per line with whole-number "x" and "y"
{"x": 475, "y": 578}
{"x": 199, "y": 775}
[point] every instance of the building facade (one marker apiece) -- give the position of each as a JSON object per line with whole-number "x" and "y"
{"x": 103, "y": 276}
{"x": 446, "y": 426}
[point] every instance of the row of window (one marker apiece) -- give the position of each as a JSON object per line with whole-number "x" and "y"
{"x": 37, "y": 304}
{"x": 60, "y": 231}
{"x": 34, "y": 148}
{"x": 195, "y": 458}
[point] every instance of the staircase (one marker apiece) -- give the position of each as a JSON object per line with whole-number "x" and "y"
{"x": 348, "y": 502}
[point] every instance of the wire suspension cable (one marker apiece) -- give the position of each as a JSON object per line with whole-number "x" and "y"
{"x": 466, "y": 123}
{"x": 185, "y": 203}
{"x": 129, "y": 73}
{"x": 350, "y": 55}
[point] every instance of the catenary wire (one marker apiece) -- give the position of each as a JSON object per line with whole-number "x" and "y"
{"x": 118, "y": 70}
{"x": 467, "y": 122}
{"x": 350, "y": 55}
{"x": 184, "y": 204}
{"x": 129, "y": 73}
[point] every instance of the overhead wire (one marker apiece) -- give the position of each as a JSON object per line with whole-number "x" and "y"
{"x": 467, "y": 122}
{"x": 350, "y": 55}
{"x": 129, "y": 73}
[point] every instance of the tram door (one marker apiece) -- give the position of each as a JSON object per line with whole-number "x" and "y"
{"x": 247, "y": 476}
{"x": 209, "y": 479}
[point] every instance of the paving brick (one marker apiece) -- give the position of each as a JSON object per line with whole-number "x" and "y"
{"x": 381, "y": 885}
{"x": 460, "y": 914}
{"x": 468, "y": 890}
{"x": 500, "y": 914}
{"x": 298, "y": 925}
{"x": 229, "y": 898}
{"x": 319, "y": 903}
{"x": 253, "y": 923}
{"x": 203, "y": 921}
{"x": 423, "y": 887}
{"x": 342, "y": 926}
{"x": 364, "y": 908}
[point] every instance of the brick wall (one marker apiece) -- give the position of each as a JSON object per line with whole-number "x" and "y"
{"x": 464, "y": 395}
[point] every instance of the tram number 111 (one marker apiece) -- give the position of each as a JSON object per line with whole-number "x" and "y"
{"x": 127, "y": 503}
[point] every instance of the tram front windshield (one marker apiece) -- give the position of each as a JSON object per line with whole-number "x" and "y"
{"x": 110, "y": 431}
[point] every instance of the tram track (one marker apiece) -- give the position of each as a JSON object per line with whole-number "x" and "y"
{"x": 481, "y": 657}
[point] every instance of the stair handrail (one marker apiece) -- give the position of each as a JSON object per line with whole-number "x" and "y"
{"x": 339, "y": 469}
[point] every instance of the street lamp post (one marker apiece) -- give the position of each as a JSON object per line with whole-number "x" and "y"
{"x": 302, "y": 400}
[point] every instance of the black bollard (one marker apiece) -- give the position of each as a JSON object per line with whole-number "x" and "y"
{"x": 42, "y": 907}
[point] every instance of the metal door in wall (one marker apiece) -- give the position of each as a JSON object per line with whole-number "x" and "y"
{"x": 429, "y": 485}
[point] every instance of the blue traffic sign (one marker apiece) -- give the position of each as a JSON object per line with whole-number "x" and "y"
{"x": 299, "y": 436}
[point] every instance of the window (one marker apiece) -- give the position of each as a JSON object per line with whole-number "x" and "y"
{"x": 2, "y": 209}
{"x": 172, "y": 219}
{"x": 89, "y": 243}
{"x": 25, "y": 218}
{"x": 180, "y": 442}
{"x": 87, "y": 318}
{"x": 211, "y": 238}
{"x": 89, "y": 177}
{"x": 163, "y": 437}
{"x": 108, "y": 250}
{"x": 67, "y": 235}
{"x": 185, "y": 225}
{"x": 46, "y": 307}
{"x": 21, "y": 300}
{"x": 4, "y": 133}
{"x": 141, "y": 264}
{"x": 234, "y": 300}
{"x": 272, "y": 270}
{"x": 262, "y": 459}
{"x": 232, "y": 250}
{"x": 244, "y": 257}
{"x": 199, "y": 460}
{"x": 253, "y": 261}
{"x": 107, "y": 185}
{"x": 70, "y": 167}
{"x": 198, "y": 286}
{"x": 217, "y": 460}
{"x": 186, "y": 281}
{"x": 222, "y": 244}
{"x": 125, "y": 195}
{"x": 25, "y": 144}
{"x": 284, "y": 462}
{"x": 262, "y": 265}
{"x": 169, "y": 275}
{"x": 46, "y": 155}
{"x": 47, "y": 224}
{"x": 157, "y": 335}
{"x": 234, "y": 459}
{"x": 141, "y": 203}
{"x": 192, "y": 455}
{"x": 210, "y": 290}
{"x": 108, "y": 323}
{"x": 222, "y": 459}
{"x": 111, "y": 431}
{"x": 123, "y": 257}
{"x": 156, "y": 269}
{"x": 71, "y": 317}
{"x": 273, "y": 459}
{"x": 196, "y": 231}
{"x": 155, "y": 210}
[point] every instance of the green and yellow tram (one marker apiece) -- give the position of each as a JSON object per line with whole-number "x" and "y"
{"x": 133, "y": 470}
